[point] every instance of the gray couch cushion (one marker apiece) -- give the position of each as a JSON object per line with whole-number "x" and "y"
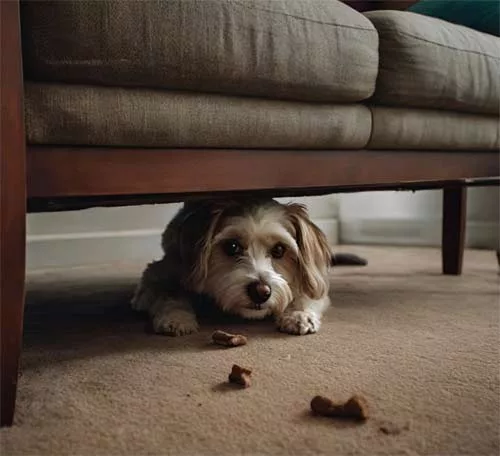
{"x": 426, "y": 129}
{"x": 427, "y": 62}
{"x": 294, "y": 49}
{"x": 106, "y": 116}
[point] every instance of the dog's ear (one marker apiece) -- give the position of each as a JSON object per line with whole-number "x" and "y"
{"x": 197, "y": 226}
{"x": 314, "y": 251}
{"x": 203, "y": 247}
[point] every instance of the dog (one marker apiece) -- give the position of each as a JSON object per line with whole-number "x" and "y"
{"x": 254, "y": 257}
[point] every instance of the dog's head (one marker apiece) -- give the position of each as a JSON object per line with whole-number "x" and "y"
{"x": 254, "y": 257}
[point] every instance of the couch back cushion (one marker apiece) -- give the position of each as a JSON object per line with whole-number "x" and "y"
{"x": 483, "y": 15}
{"x": 430, "y": 63}
{"x": 319, "y": 50}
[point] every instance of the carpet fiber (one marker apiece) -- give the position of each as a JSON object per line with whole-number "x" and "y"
{"x": 421, "y": 347}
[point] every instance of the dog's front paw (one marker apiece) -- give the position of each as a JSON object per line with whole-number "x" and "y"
{"x": 299, "y": 322}
{"x": 175, "y": 323}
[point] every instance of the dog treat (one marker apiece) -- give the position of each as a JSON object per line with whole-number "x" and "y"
{"x": 355, "y": 408}
{"x": 240, "y": 375}
{"x": 228, "y": 340}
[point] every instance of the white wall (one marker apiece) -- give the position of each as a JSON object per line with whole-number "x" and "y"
{"x": 414, "y": 218}
{"x": 102, "y": 235}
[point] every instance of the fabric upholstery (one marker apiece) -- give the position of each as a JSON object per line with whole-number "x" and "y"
{"x": 104, "y": 116}
{"x": 404, "y": 128}
{"x": 430, "y": 63}
{"x": 293, "y": 49}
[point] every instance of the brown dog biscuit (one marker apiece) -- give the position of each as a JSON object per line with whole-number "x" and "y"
{"x": 356, "y": 408}
{"x": 228, "y": 339}
{"x": 240, "y": 375}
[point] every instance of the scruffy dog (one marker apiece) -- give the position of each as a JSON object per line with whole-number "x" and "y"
{"x": 254, "y": 257}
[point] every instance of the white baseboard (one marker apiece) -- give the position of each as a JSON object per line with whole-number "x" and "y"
{"x": 77, "y": 249}
{"x": 331, "y": 229}
{"x": 480, "y": 235}
{"x": 99, "y": 247}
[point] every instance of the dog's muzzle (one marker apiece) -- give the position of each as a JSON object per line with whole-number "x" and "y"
{"x": 259, "y": 293}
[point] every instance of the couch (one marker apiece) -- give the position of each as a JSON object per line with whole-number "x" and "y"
{"x": 119, "y": 103}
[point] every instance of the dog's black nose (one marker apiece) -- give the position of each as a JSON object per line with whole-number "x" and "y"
{"x": 259, "y": 292}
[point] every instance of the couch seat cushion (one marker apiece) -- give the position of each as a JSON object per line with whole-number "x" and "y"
{"x": 293, "y": 49}
{"x": 427, "y": 129}
{"x": 66, "y": 114}
{"x": 427, "y": 62}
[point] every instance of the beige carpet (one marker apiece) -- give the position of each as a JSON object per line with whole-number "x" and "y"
{"x": 423, "y": 348}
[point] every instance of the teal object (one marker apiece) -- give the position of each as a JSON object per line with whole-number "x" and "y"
{"x": 482, "y": 15}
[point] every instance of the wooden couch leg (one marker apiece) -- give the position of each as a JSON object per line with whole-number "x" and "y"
{"x": 12, "y": 208}
{"x": 453, "y": 236}
{"x": 12, "y": 254}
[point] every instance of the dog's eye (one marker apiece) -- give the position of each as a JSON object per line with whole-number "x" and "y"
{"x": 232, "y": 248}
{"x": 278, "y": 250}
